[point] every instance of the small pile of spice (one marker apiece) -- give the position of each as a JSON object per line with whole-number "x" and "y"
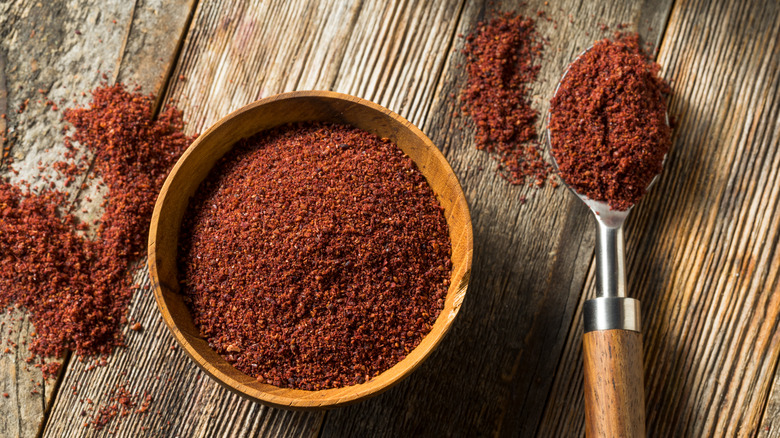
{"x": 314, "y": 256}
{"x": 501, "y": 62}
{"x": 608, "y": 126}
{"x": 77, "y": 289}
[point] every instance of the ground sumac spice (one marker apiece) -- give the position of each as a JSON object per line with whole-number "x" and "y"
{"x": 314, "y": 256}
{"x": 77, "y": 289}
{"x": 502, "y": 60}
{"x": 608, "y": 127}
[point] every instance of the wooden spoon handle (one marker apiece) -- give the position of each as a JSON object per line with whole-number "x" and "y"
{"x": 614, "y": 388}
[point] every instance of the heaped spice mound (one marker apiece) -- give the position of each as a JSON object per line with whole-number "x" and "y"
{"x": 77, "y": 289}
{"x": 608, "y": 128}
{"x": 502, "y": 60}
{"x": 314, "y": 256}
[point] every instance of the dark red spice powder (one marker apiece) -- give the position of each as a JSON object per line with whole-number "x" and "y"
{"x": 608, "y": 127}
{"x": 77, "y": 289}
{"x": 502, "y": 60}
{"x": 314, "y": 256}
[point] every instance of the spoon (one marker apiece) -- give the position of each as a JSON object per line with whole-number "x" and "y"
{"x": 612, "y": 343}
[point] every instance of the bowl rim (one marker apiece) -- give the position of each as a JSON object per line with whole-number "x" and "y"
{"x": 327, "y": 398}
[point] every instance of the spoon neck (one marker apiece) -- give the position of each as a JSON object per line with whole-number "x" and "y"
{"x": 610, "y": 261}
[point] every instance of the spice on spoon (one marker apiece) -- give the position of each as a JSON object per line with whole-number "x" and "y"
{"x": 314, "y": 256}
{"x": 608, "y": 128}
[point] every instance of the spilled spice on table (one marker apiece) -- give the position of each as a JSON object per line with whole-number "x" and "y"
{"x": 77, "y": 289}
{"x": 608, "y": 127}
{"x": 314, "y": 256}
{"x": 502, "y": 60}
{"x": 121, "y": 403}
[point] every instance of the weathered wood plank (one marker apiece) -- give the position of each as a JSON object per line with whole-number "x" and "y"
{"x": 373, "y": 50}
{"x": 62, "y": 48}
{"x": 701, "y": 248}
{"x": 492, "y": 374}
{"x": 234, "y": 54}
{"x": 503, "y": 348}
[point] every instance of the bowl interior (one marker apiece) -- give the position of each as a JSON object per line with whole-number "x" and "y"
{"x": 193, "y": 167}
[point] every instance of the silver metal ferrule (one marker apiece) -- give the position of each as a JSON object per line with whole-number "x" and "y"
{"x": 610, "y": 313}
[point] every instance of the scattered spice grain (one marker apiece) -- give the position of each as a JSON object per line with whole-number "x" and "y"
{"x": 77, "y": 289}
{"x": 608, "y": 126}
{"x": 314, "y": 256}
{"x": 502, "y": 60}
{"x": 145, "y": 404}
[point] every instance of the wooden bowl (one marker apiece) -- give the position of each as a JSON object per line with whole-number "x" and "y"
{"x": 193, "y": 167}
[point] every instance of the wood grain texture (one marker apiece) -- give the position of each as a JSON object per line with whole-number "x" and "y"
{"x": 195, "y": 166}
{"x": 3, "y": 110}
{"x": 701, "y": 247}
{"x": 389, "y": 53}
{"x": 613, "y": 390}
{"x": 55, "y": 51}
{"x": 492, "y": 374}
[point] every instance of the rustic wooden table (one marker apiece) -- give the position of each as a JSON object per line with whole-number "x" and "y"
{"x": 702, "y": 252}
